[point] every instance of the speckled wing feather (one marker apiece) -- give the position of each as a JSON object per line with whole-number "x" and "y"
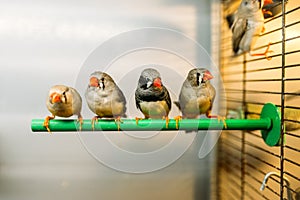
{"x": 119, "y": 97}
{"x": 167, "y": 97}
{"x": 212, "y": 93}
{"x": 239, "y": 29}
{"x": 187, "y": 93}
{"x": 77, "y": 101}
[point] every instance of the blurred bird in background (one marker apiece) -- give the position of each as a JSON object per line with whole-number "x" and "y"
{"x": 230, "y": 7}
{"x": 152, "y": 97}
{"x": 197, "y": 95}
{"x": 105, "y": 98}
{"x": 63, "y": 101}
{"x": 247, "y": 26}
{"x": 270, "y": 9}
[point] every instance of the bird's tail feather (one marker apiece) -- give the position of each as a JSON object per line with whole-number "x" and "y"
{"x": 177, "y": 104}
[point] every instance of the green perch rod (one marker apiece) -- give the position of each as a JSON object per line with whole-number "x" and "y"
{"x": 269, "y": 124}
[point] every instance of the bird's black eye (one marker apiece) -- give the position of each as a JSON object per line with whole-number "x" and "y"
{"x": 197, "y": 79}
{"x": 102, "y": 85}
{"x": 246, "y": 3}
{"x": 65, "y": 96}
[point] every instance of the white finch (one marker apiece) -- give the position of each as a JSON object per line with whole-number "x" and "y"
{"x": 269, "y": 9}
{"x": 105, "y": 98}
{"x": 152, "y": 97}
{"x": 63, "y": 101}
{"x": 247, "y": 26}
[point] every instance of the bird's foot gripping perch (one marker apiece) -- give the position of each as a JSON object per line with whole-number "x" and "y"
{"x": 118, "y": 121}
{"x": 266, "y": 53}
{"x": 220, "y": 118}
{"x": 137, "y": 119}
{"x": 80, "y": 121}
{"x": 46, "y": 122}
{"x": 167, "y": 121}
{"x": 94, "y": 119}
{"x": 177, "y": 119}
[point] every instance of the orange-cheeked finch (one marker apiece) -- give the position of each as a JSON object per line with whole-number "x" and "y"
{"x": 152, "y": 97}
{"x": 197, "y": 95}
{"x": 63, "y": 101}
{"x": 105, "y": 98}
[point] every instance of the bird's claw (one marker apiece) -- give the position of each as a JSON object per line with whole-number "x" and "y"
{"x": 266, "y": 53}
{"x": 46, "y": 123}
{"x": 177, "y": 119}
{"x": 220, "y": 118}
{"x": 167, "y": 121}
{"x": 80, "y": 121}
{"x": 267, "y": 56}
{"x": 94, "y": 119}
{"x": 137, "y": 119}
{"x": 118, "y": 121}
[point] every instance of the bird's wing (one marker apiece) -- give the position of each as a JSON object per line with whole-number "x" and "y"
{"x": 186, "y": 94}
{"x": 177, "y": 103}
{"x": 120, "y": 96}
{"x": 77, "y": 101}
{"x": 167, "y": 97}
{"x": 230, "y": 19}
{"x": 138, "y": 99}
{"x": 212, "y": 93}
{"x": 150, "y": 96}
{"x": 239, "y": 28}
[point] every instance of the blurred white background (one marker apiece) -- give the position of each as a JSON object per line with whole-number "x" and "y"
{"x": 45, "y": 43}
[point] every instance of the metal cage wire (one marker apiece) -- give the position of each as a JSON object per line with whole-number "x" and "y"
{"x": 250, "y": 82}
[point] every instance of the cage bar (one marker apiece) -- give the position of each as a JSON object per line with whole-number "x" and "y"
{"x": 255, "y": 76}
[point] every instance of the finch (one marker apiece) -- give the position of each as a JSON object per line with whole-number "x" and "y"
{"x": 197, "y": 95}
{"x": 63, "y": 101}
{"x": 247, "y": 26}
{"x": 105, "y": 98}
{"x": 152, "y": 97}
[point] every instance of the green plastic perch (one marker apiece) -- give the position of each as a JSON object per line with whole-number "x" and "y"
{"x": 269, "y": 124}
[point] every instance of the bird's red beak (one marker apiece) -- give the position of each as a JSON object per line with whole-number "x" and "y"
{"x": 207, "y": 76}
{"x": 157, "y": 83}
{"x": 94, "y": 82}
{"x": 55, "y": 97}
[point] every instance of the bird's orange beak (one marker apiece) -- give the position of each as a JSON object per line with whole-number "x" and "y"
{"x": 266, "y": 2}
{"x": 157, "y": 83}
{"x": 94, "y": 82}
{"x": 55, "y": 98}
{"x": 208, "y": 75}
